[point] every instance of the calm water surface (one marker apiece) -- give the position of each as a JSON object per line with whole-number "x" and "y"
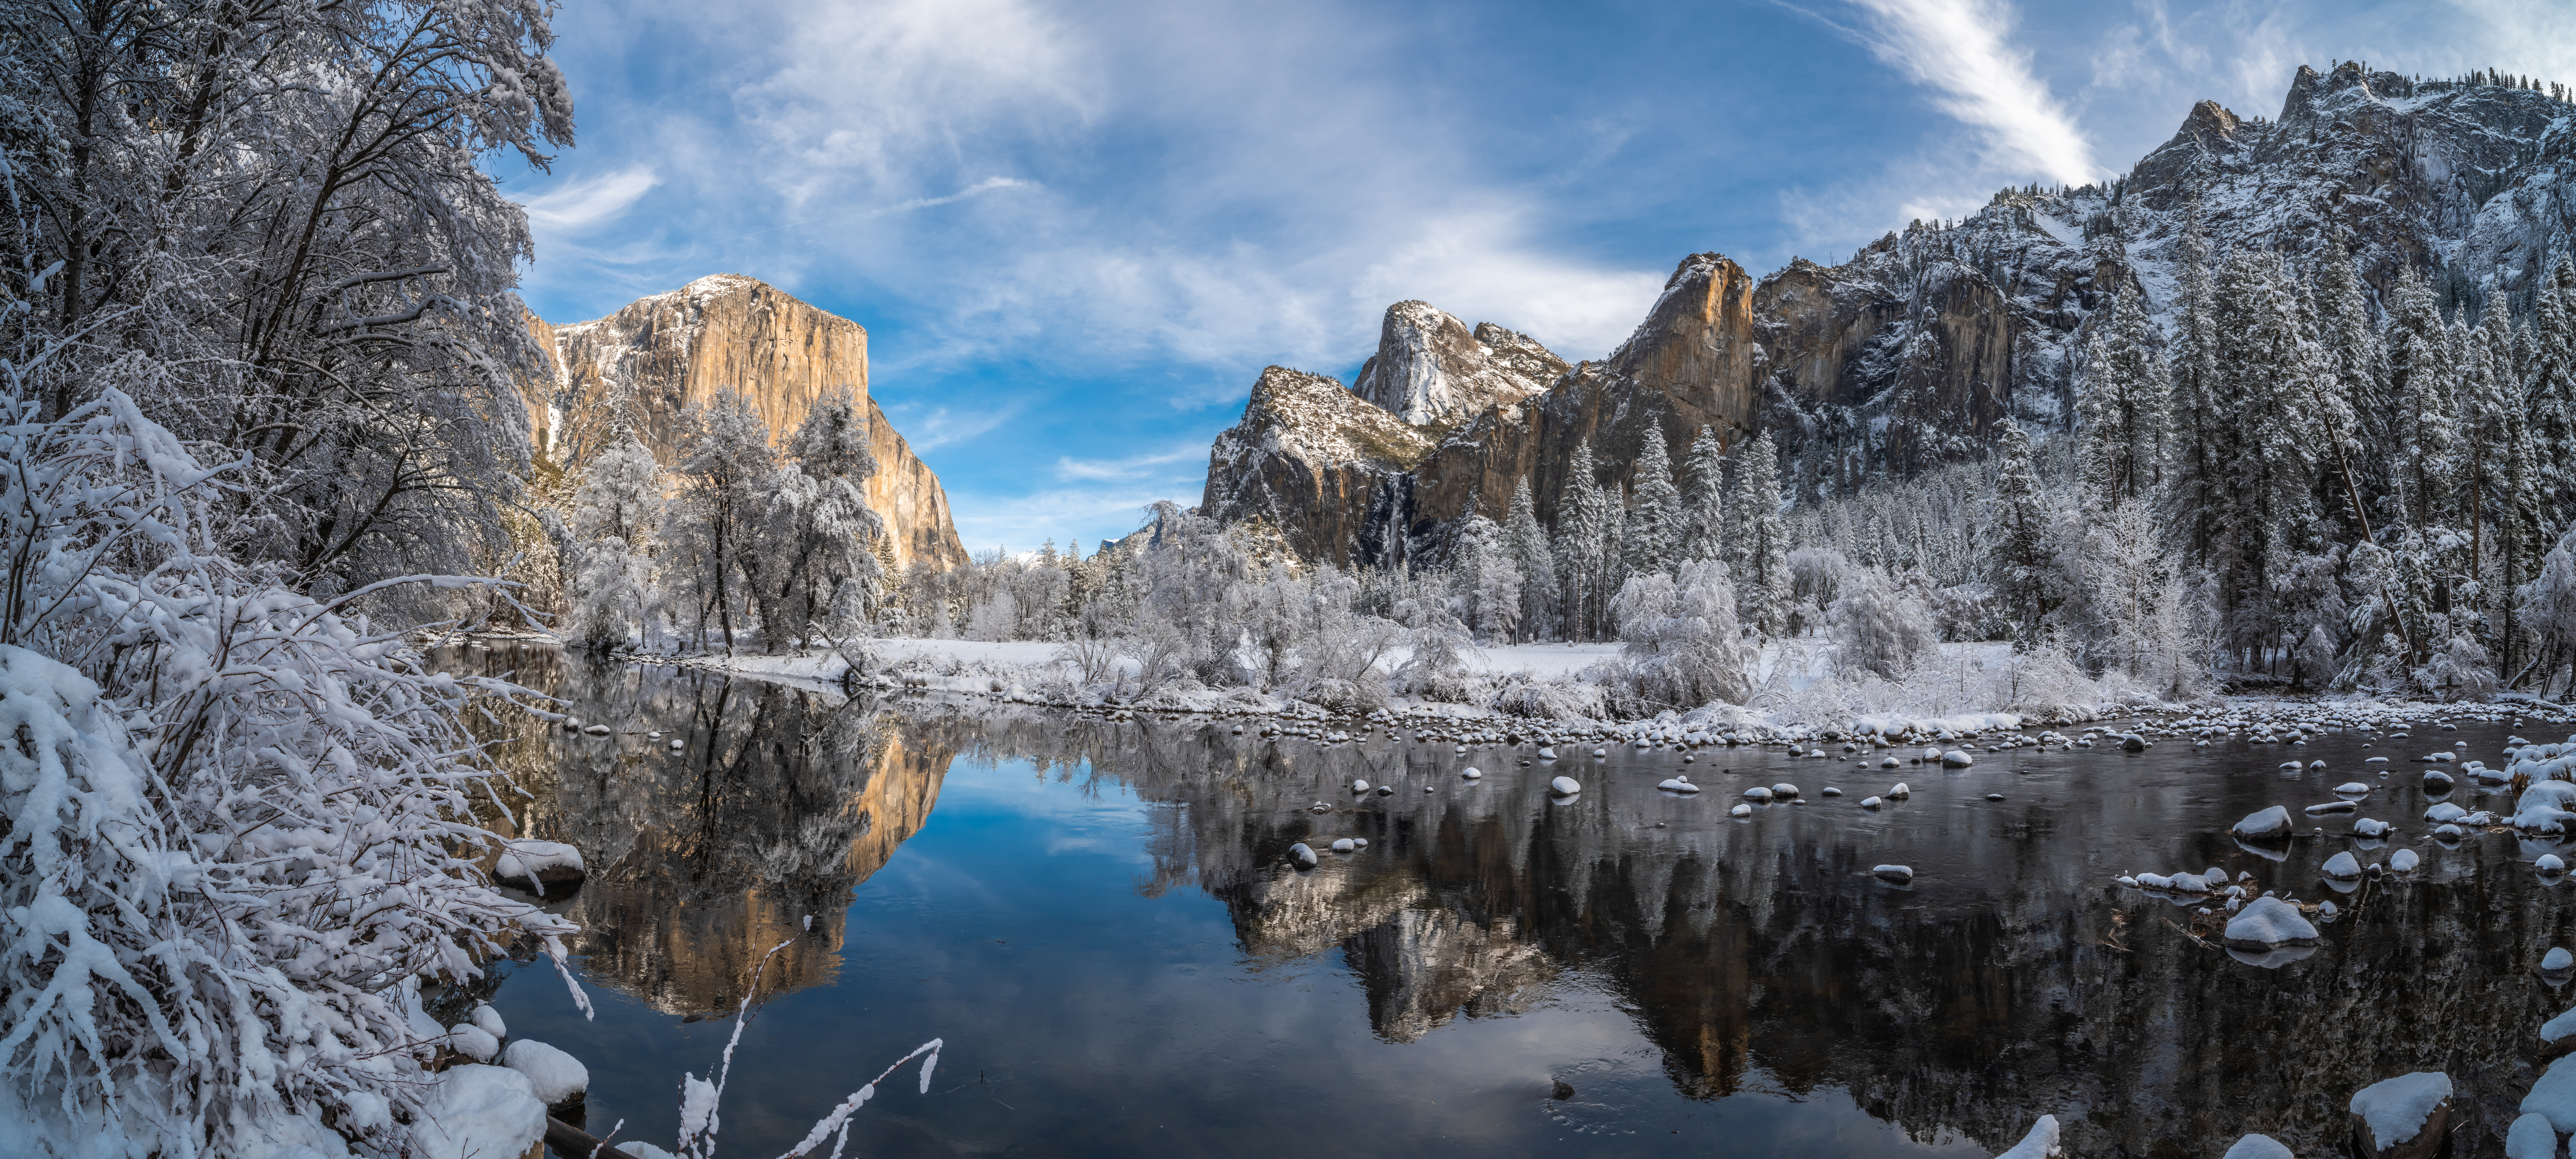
{"x": 1101, "y": 922}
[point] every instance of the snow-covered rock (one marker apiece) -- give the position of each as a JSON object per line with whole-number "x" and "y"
{"x": 557, "y": 1078}
{"x": 2263, "y": 824}
{"x": 2040, "y": 1143}
{"x": 473, "y": 1041}
{"x": 2268, "y": 923}
{"x": 2342, "y": 865}
{"x": 2558, "y": 959}
{"x": 2531, "y": 1137}
{"x": 2444, "y": 813}
{"x": 480, "y": 1112}
{"x": 1784, "y": 789}
{"x": 1343, "y": 846}
{"x": 1758, "y": 793}
{"x": 554, "y": 866}
{"x": 1303, "y": 854}
{"x": 1899, "y": 792}
{"x": 2404, "y": 861}
{"x": 2258, "y": 1147}
{"x": 1565, "y": 786}
{"x": 1740, "y": 811}
{"x": 1957, "y": 759}
{"x": 2391, "y": 1114}
{"x": 1896, "y": 873}
{"x": 1866, "y": 803}
{"x": 489, "y": 1020}
{"x": 2554, "y": 1096}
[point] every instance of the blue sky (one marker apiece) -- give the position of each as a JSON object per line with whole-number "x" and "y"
{"x": 1076, "y": 232}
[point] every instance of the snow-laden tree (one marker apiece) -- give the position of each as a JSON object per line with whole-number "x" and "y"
{"x": 617, "y": 535}
{"x": 2548, "y": 603}
{"x": 2421, "y": 369}
{"x": 2121, "y": 408}
{"x": 2023, "y": 557}
{"x": 2549, "y": 392}
{"x": 727, "y": 470}
{"x": 1487, "y": 581}
{"x": 1657, "y": 523}
{"x": 1587, "y": 529}
{"x": 1682, "y": 645}
{"x": 1757, "y": 539}
{"x": 236, "y": 825}
{"x": 278, "y": 208}
{"x": 816, "y": 569}
{"x": 2351, "y": 400}
{"x": 1536, "y": 561}
{"x": 2202, "y": 439}
{"x": 1703, "y": 496}
{"x": 2269, "y": 367}
{"x": 1881, "y": 628}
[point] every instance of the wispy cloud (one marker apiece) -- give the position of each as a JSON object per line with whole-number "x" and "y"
{"x": 1961, "y": 49}
{"x": 936, "y": 427}
{"x": 1135, "y": 467}
{"x": 582, "y": 204}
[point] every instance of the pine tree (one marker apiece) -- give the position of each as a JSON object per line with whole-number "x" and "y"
{"x": 1586, "y": 524}
{"x": 1537, "y": 565}
{"x": 1758, "y": 541}
{"x": 1652, "y": 540}
{"x": 2420, "y": 371}
{"x": 2020, "y": 520}
{"x": 2268, "y": 359}
{"x": 2203, "y": 437}
{"x": 2549, "y": 393}
{"x": 2486, "y": 405}
{"x": 2351, "y": 400}
{"x": 2122, "y": 409}
{"x": 1704, "y": 498}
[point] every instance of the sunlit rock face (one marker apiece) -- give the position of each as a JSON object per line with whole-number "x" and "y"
{"x": 1431, "y": 370}
{"x": 1324, "y": 467}
{"x": 643, "y": 367}
{"x": 1908, "y": 353}
{"x": 2018, "y": 984}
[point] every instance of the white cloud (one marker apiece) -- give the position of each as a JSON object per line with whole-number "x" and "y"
{"x": 581, "y": 204}
{"x": 1134, "y": 467}
{"x": 1959, "y": 47}
{"x": 938, "y": 427}
{"x": 1481, "y": 267}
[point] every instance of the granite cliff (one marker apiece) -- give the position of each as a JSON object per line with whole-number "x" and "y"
{"x": 1910, "y": 353}
{"x": 642, "y": 367}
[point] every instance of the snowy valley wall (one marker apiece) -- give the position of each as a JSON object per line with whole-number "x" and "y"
{"x": 646, "y": 364}
{"x": 1908, "y": 354}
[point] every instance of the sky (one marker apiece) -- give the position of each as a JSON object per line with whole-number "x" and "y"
{"x": 1077, "y": 231}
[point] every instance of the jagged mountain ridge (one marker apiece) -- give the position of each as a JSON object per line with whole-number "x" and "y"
{"x": 1908, "y": 354}
{"x": 642, "y": 367}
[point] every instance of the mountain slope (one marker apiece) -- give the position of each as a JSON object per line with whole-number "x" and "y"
{"x": 643, "y": 367}
{"x": 1909, "y": 354}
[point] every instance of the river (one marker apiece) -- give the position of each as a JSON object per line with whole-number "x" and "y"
{"x": 1102, "y": 922}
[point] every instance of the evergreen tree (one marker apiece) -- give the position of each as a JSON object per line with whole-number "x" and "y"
{"x": 2549, "y": 390}
{"x": 818, "y": 568}
{"x": 2020, "y": 519}
{"x": 1652, "y": 541}
{"x": 2122, "y": 409}
{"x": 1587, "y": 523}
{"x": 2420, "y": 371}
{"x": 1530, "y": 553}
{"x": 1759, "y": 540}
{"x": 1704, "y": 498}
{"x": 616, "y": 530}
{"x": 2203, "y": 437}
{"x": 2268, "y": 361}
{"x": 2351, "y": 401}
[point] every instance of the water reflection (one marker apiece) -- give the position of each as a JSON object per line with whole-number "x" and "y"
{"x": 1756, "y": 957}
{"x": 778, "y": 802}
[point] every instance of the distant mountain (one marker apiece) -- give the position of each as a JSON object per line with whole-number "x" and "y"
{"x": 646, "y": 364}
{"x": 1909, "y": 354}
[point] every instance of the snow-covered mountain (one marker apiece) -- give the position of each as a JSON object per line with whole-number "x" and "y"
{"x": 1910, "y": 353}
{"x": 643, "y": 367}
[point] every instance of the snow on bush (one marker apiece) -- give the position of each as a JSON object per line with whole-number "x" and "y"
{"x": 237, "y": 829}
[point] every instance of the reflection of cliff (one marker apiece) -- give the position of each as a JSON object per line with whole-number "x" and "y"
{"x": 1974, "y": 1003}
{"x": 780, "y": 802}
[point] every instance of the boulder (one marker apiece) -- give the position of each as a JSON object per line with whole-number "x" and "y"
{"x": 2268, "y": 923}
{"x": 2407, "y": 1117}
{"x": 2264, "y": 825}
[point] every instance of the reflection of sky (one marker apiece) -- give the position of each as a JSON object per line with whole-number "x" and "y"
{"x": 1083, "y": 1017}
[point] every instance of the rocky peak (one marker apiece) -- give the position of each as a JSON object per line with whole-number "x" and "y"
{"x": 1323, "y": 467}
{"x": 639, "y": 370}
{"x": 1431, "y": 370}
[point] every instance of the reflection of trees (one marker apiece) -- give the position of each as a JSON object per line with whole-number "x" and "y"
{"x": 779, "y": 803}
{"x": 1742, "y": 949}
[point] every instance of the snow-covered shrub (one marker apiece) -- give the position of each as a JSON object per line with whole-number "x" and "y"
{"x": 237, "y": 830}
{"x": 1683, "y": 647}
{"x": 2460, "y": 670}
{"x": 1880, "y": 628}
{"x": 1437, "y": 670}
{"x": 1523, "y": 694}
